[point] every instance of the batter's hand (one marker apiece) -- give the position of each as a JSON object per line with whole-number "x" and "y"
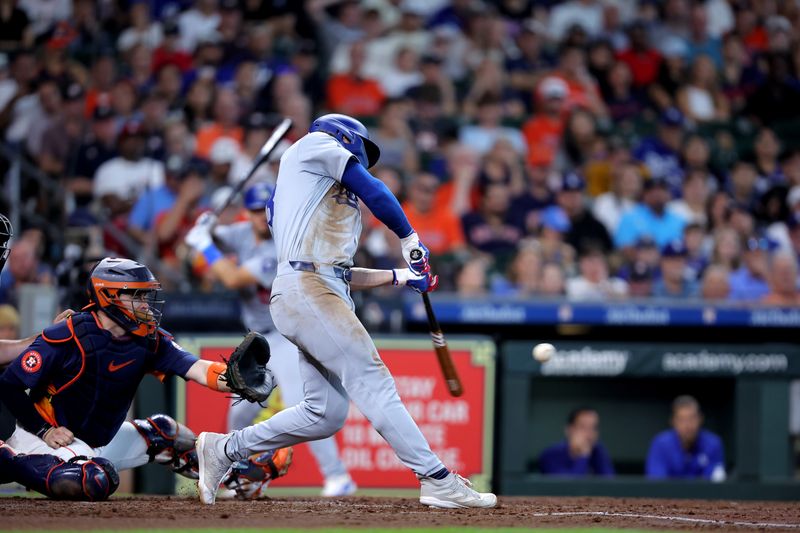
{"x": 199, "y": 237}
{"x": 58, "y": 437}
{"x": 421, "y": 283}
{"x": 416, "y": 254}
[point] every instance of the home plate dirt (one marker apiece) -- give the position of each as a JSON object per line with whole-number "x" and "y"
{"x": 297, "y": 512}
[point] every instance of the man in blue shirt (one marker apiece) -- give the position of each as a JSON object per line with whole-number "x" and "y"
{"x": 686, "y": 451}
{"x": 673, "y": 282}
{"x": 650, "y": 218}
{"x": 749, "y": 283}
{"x": 581, "y": 453}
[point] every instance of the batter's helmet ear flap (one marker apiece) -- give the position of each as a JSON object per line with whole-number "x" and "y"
{"x": 6, "y": 232}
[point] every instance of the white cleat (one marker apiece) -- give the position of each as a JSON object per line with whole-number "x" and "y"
{"x": 453, "y": 492}
{"x": 335, "y": 486}
{"x": 212, "y": 466}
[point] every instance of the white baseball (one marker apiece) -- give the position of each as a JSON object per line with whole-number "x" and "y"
{"x": 543, "y": 352}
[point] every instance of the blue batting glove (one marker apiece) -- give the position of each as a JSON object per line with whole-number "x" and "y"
{"x": 421, "y": 283}
{"x": 416, "y": 254}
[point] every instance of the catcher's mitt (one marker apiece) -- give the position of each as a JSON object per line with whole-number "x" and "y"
{"x": 247, "y": 374}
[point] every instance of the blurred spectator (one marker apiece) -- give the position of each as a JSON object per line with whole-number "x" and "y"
{"x": 691, "y": 207}
{"x": 438, "y": 227}
{"x": 395, "y": 137}
{"x": 543, "y": 130}
{"x": 694, "y": 238}
{"x": 490, "y": 82}
{"x": 169, "y": 52}
{"x": 537, "y": 194}
{"x": 767, "y": 148}
{"x": 700, "y": 42}
{"x": 9, "y": 322}
{"x": 199, "y": 24}
{"x": 581, "y": 453}
{"x": 555, "y": 225}
{"x": 727, "y": 249}
{"x": 528, "y": 61}
{"x": 490, "y": 229}
{"x": 739, "y": 76}
{"x": 640, "y": 280}
{"x": 489, "y": 129}
{"x": 716, "y": 284}
{"x": 225, "y": 125}
{"x": 120, "y": 180}
{"x": 650, "y": 218}
{"x": 582, "y": 88}
{"x": 351, "y": 92}
{"x": 588, "y": 14}
{"x": 585, "y": 230}
{"x": 623, "y": 103}
{"x": 402, "y": 75}
{"x": 673, "y": 282}
{"x": 696, "y": 155}
{"x": 594, "y": 282}
{"x": 701, "y": 99}
{"x": 24, "y": 266}
{"x": 45, "y": 14}
{"x": 609, "y": 207}
{"x": 142, "y": 30}
{"x": 15, "y": 30}
{"x": 224, "y": 153}
{"x": 524, "y": 272}
{"x": 671, "y": 74}
{"x": 579, "y": 143}
{"x": 660, "y": 154}
{"x": 742, "y": 184}
{"x": 552, "y": 283}
{"x": 776, "y": 98}
{"x": 471, "y": 278}
{"x": 749, "y": 283}
{"x": 783, "y": 281}
{"x": 686, "y": 451}
{"x": 436, "y": 86}
{"x": 640, "y": 57}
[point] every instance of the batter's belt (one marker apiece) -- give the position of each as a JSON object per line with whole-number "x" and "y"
{"x": 322, "y": 269}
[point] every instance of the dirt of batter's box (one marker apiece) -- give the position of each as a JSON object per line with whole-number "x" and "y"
{"x": 355, "y": 512}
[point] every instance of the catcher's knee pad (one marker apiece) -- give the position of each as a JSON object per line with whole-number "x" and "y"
{"x": 169, "y": 443}
{"x": 250, "y": 478}
{"x": 80, "y": 478}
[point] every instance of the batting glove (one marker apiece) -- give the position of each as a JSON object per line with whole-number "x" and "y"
{"x": 416, "y": 254}
{"x": 199, "y": 238}
{"x": 426, "y": 282}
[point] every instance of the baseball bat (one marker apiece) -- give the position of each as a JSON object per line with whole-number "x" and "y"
{"x": 277, "y": 135}
{"x": 442, "y": 351}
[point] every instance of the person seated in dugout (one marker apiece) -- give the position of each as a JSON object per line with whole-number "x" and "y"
{"x": 580, "y": 453}
{"x": 686, "y": 451}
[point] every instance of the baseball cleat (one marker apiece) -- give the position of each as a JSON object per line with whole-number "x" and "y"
{"x": 342, "y": 485}
{"x": 213, "y": 466}
{"x": 453, "y": 492}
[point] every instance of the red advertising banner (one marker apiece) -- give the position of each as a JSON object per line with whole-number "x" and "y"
{"x": 458, "y": 429}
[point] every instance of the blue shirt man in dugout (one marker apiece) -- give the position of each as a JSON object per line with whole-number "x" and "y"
{"x": 686, "y": 451}
{"x": 580, "y": 453}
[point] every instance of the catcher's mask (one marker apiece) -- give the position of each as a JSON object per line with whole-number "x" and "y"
{"x": 128, "y": 293}
{"x": 6, "y": 232}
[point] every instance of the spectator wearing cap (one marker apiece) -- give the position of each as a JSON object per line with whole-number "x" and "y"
{"x": 351, "y": 92}
{"x": 645, "y": 252}
{"x": 642, "y": 59}
{"x": 119, "y": 181}
{"x": 543, "y": 130}
{"x": 673, "y": 282}
{"x": 749, "y": 282}
{"x": 716, "y": 285}
{"x": 661, "y": 154}
{"x": 609, "y": 207}
{"x": 9, "y": 322}
{"x": 585, "y": 230}
{"x": 170, "y": 52}
{"x": 554, "y": 227}
{"x": 700, "y": 98}
{"x": 483, "y": 135}
{"x": 650, "y": 218}
{"x": 783, "y": 281}
{"x": 225, "y": 125}
{"x": 640, "y": 280}
{"x": 594, "y": 281}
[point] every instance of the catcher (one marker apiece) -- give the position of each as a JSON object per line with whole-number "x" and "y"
{"x": 70, "y": 391}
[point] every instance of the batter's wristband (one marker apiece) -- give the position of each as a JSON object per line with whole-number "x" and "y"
{"x": 212, "y": 254}
{"x": 214, "y": 372}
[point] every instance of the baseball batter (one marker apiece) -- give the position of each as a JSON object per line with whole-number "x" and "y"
{"x": 251, "y": 273}
{"x": 316, "y": 224}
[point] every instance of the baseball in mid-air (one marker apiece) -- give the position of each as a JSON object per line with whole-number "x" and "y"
{"x": 543, "y": 352}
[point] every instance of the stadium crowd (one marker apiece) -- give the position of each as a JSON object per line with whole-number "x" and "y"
{"x": 593, "y": 149}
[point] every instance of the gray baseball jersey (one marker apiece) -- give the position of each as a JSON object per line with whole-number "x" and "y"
{"x": 319, "y": 219}
{"x": 259, "y": 259}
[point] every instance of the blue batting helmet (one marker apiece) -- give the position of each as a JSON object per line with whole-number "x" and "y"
{"x": 257, "y": 196}
{"x": 351, "y": 134}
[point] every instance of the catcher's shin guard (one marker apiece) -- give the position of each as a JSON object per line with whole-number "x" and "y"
{"x": 80, "y": 478}
{"x": 250, "y": 478}
{"x": 169, "y": 443}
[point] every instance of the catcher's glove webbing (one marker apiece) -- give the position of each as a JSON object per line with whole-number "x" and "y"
{"x": 247, "y": 374}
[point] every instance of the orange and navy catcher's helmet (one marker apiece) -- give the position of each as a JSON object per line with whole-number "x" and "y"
{"x": 112, "y": 277}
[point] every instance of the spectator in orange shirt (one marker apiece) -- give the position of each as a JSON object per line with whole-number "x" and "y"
{"x": 226, "y": 123}
{"x": 583, "y": 91}
{"x": 783, "y": 281}
{"x": 543, "y": 131}
{"x": 437, "y": 225}
{"x": 351, "y": 93}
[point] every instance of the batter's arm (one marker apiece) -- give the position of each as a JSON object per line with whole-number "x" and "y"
{"x": 369, "y": 278}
